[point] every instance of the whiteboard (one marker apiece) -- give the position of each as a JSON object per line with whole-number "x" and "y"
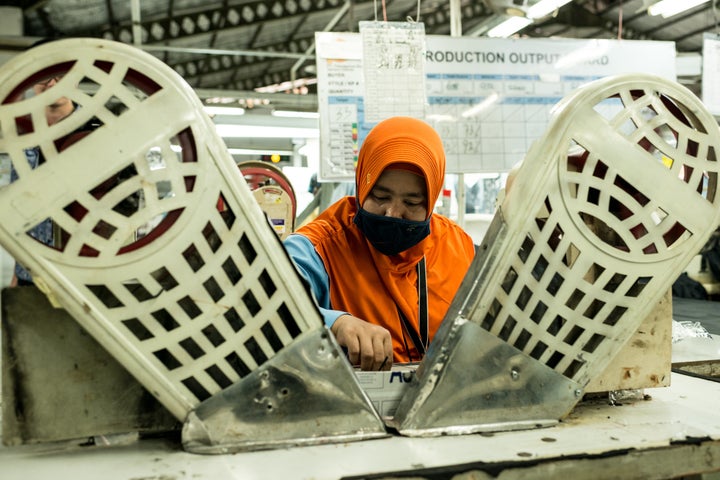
{"x": 488, "y": 98}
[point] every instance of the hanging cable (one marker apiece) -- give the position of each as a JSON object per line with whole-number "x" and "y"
{"x": 620, "y": 20}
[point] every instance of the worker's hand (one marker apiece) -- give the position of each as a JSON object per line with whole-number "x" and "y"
{"x": 368, "y": 345}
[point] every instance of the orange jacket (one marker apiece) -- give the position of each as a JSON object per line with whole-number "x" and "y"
{"x": 372, "y": 286}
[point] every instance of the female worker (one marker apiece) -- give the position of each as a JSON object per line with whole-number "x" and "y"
{"x": 382, "y": 266}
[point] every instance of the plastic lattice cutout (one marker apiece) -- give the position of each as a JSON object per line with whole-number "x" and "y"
{"x": 605, "y": 212}
{"x": 159, "y": 249}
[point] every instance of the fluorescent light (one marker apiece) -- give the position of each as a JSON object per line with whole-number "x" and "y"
{"x": 287, "y": 86}
{"x": 294, "y": 114}
{"x": 516, "y": 23}
{"x": 509, "y": 27}
{"x": 668, "y": 8}
{"x": 544, "y": 7}
{"x": 257, "y": 131}
{"x": 234, "y": 111}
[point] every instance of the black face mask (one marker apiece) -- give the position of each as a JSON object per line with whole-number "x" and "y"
{"x": 391, "y": 235}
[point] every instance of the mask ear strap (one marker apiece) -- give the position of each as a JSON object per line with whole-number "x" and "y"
{"x": 420, "y": 340}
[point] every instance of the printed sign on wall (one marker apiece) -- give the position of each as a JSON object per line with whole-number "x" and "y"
{"x": 488, "y": 98}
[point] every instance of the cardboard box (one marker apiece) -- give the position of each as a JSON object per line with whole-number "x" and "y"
{"x": 385, "y": 389}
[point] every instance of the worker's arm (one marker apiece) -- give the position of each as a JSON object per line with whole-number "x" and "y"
{"x": 367, "y": 345}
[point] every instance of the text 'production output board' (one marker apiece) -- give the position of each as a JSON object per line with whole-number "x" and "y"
{"x": 489, "y": 99}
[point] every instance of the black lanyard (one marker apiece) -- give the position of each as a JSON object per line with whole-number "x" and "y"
{"x": 420, "y": 340}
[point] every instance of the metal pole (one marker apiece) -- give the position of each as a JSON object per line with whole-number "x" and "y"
{"x": 456, "y": 31}
{"x": 136, "y": 28}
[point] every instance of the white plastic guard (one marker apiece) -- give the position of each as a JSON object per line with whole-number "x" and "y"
{"x": 160, "y": 252}
{"x": 607, "y": 209}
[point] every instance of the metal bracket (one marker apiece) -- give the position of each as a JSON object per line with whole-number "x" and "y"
{"x": 475, "y": 382}
{"x": 306, "y": 394}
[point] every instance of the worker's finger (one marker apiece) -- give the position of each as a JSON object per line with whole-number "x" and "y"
{"x": 352, "y": 344}
{"x": 367, "y": 353}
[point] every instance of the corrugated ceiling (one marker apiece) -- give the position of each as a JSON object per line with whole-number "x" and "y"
{"x": 239, "y": 46}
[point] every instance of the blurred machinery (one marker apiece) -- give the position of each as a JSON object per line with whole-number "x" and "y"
{"x": 274, "y": 193}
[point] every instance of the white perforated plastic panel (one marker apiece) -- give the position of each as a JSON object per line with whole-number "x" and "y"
{"x": 160, "y": 250}
{"x": 609, "y": 208}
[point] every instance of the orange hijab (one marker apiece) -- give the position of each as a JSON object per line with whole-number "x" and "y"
{"x": 406, "y": 143}
{"x": 373, "y": 286}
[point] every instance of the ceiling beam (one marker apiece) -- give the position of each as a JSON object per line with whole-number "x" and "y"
{"x": 187, "y": 25}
